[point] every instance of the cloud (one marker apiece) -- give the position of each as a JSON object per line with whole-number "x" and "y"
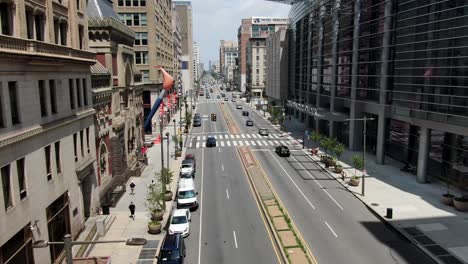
{"x": 214, "y": 20}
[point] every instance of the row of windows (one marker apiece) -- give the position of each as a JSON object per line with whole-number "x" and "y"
{"x": 134, "y": 3}
{"x": 134, "y": 19}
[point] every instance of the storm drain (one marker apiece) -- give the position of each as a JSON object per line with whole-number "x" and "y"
{"x": 148, "y": 252}
{"x": 431, "y": 246}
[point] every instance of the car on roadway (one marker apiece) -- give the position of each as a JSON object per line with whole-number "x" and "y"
{"x": 249, "y": 123}
{"x": 172, "y": 250}
{"x": 207, "y": 96}
{"x": 197, "y": 122}
{"x": 197, "y": 115}
{"x": 211, "y": 141}
{"x": 223, "y": 95}
{"x": 233, "y": 100}
{"x": 148, "y": 143}
{"x": 282, "y": 151}
{"x": 187, "y": 169}
{"x": 245, "y": 113}
{"x": 187, "y": 195}
{"x": 238, "y": 106}
{"x": 226, "y": 99}
{"x": 263, "y": 131}
{"x": 218, "y": 97}
{"x": 180, "y": 222}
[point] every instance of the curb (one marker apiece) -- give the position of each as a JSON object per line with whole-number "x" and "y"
{"x": 382, "y": 218}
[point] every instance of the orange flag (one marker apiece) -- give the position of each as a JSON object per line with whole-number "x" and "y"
{"x": 168, "y": 80}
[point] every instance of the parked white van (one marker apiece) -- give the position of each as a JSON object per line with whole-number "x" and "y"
{"x": 187, "y": 195}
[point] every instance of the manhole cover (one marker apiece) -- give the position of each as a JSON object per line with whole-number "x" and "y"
{"x": 374, "y": 204}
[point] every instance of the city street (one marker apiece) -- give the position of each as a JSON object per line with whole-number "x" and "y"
{"x": 232, "y": 228}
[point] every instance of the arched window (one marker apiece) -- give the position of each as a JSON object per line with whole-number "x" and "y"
{"x": 103, "y": 161}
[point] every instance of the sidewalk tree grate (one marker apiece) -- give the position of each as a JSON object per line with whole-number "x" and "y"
{"x": 412, "y": 231}
{"x": 151, "y": 244}
{"x": 424, "y": 240}
{"x": 147, "y": 254}
{"x": 437, "y": 250}
{"x": 450, "y": 260}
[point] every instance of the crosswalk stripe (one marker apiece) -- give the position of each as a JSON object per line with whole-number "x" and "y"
{"x": 255, "y": 136}
{"x": 232, "y": 136}
{"x": 237, "y": 136}
{"x": 259, "y": 143}
{"x": 228, "y": 143}
{"x": 215, "y": 136}
{"x": 226, "y": 136}
{"x": 276, "y": 142}
{"x": 264, "y": 142}
{"x": 198, "y": 138}
{"x": 241, "y": 143}
{"x": 271, "y": 143}
{"x": 253, "y": 143}
{"x": 243, "y": 136}
{"x": 247, "y": 143}
{"x": 204, "y": 138}
{"x": 276, "y": 136}
{"x": 221, "y": 143}
{"x": 198, "y": 143}
{"x": 234, "y": 143}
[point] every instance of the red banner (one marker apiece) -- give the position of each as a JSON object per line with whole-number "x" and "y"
{"x": 161, "y": 110}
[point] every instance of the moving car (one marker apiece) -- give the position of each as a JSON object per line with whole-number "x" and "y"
{"x": 180, "y": 222}
{"x": 223, "y": 95}
{"x": 282, "y": 151}
{"x": 245, "y": 113}
{"x": 233, "y": 100}
{"x": 187, "y": 169}
{"x": 186, "y": 194}
{"x": 197, "y": 122}
{"x": 148, "y": 143}
{"x": 208, "y": 96}
{"x": 263, "y": 131}
{"x": 197, "y": 115}
{"x": 211, "y": 141}
{"x": 218, "y": 97}
{"x": 172, "y": 250}
{"x": 249, "y": 123}
{"x": 238, "y": 106}
{"x": 226, "y": 99}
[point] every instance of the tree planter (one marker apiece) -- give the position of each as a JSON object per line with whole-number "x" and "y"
{"x": 178, "y": 153}
{"x": 168, "y": 196}
{"x": 338, "y": 169}
{"x": 154, "y": 228}
{"x": 461, "y": 204}
{"x": 157, "y": 216}
{"x": 354, "y": 181}
{"x": 447, "y": 199}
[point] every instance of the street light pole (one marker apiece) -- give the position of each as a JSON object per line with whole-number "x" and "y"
{"x": 175, "y": 135}
{"x": 167, "y": 135}
{"x": 162, "y": 154}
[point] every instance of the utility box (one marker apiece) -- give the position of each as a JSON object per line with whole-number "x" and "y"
{"x": 101, "y": 226}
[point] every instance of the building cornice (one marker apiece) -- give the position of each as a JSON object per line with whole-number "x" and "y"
{"x": 95, "y": 23}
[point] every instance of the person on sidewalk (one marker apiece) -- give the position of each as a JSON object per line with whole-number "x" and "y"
{"x": 132, "y": 210}
{"x": 132, "y": 187}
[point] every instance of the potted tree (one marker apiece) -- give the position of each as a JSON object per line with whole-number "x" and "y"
{"x": 154, "y": 227}
{"x": 447, "y": 198}
{"x": 188, "y": 121}
{"x": 155, "y": 204}
{"x": 166, "y": 180}
{"x": 178, "y": 152}
{"x": 315, "y": 137}
{"x": 461, "y": 202}
{"x": 358, "y": 163}
{"x": 338, "y": 150}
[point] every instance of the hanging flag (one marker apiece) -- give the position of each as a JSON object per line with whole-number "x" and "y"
{"x": 161, "y": 111}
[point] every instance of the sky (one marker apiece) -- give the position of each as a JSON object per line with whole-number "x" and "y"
{"x": 214, "y": 20}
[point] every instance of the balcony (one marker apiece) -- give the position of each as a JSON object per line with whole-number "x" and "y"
{"x": 19, "y": 46}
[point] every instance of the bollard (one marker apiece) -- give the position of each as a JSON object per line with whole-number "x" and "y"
{"x": 389, "y": 213}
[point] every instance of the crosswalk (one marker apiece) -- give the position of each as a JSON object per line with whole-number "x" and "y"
{"x": 210, "y": 101}
{"x": 241, "y": 140}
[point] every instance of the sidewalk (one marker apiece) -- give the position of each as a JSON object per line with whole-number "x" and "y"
{"x": 125, "y": 227}
{"x": 418, "y": 213}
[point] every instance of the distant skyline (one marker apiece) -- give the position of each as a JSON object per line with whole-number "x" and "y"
{"x": 214, "y": 20}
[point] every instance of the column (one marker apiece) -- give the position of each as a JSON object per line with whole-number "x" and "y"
{"x": 319, "y": 55}
{"x": 423, "y": 155}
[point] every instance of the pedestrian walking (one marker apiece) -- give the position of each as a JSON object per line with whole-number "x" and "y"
{"x": 132, "y": 187}
{"x": 132, "y": 210}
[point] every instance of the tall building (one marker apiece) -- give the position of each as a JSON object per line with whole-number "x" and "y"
{"x": 223, "y": 45}
{"x": 196, "y": 61}
{"x": 152, "y": 23}
{"x": 230, "y": 55}
{"x": 277, "y": 66}
{"x": 401, "y": 63}
{"x": 47, "y": 149}
{"x": 184, "y": 11}
{"x": 243, "y": 35}
{"x": 177, "y": 44}
{"x": 252, "y": 38}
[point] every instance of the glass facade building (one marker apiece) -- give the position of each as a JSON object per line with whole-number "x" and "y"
{"x": 402, "y": 62}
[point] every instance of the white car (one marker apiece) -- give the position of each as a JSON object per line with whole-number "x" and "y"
{"x": 148, "y": 143}
{"x": 187, "y": 195}
{"x": 180, "y": 222}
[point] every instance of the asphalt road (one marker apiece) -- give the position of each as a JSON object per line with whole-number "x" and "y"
{"x": 232, "y": 229}
{"x": 337, "y": 227}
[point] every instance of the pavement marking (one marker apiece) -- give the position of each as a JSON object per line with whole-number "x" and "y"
{"x": 247, "y": 143}
{"x": 234, "y": 143}
{"x": 221, "y": 143}
{"x": 259, "y": 143}
{"x": 248, "y": 136}
{"x": 241, "y": 143}
{"x": 228, "y": 143}
{"x": 222, "y": 167}
{"x": 297, "y": 187}
{"x": 253, "y": 143}
{"x": 198, "y": 143}
{"x": 331, "y": 229}
{"x": 215, "y": 136}
{"x": 243, "y": 136}
{"x": 198, "y": 138}
{"x": 227, "y": 194}
{"x": 276, "y": 142}
{"x": 315, "y": 180}
{"x": 235, "y": 238}
{"x": 232, "y": 136}
{"x": 204, "y": 138}
{"x": 201, "y": 209}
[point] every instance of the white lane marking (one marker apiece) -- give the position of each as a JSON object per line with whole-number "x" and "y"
{"x": 221, "y": 143}
{"x": 222, "y": 167}
{"x": 219, "y": 149}
{"x": 265, "y": 142}
{"x": 234, "y": 143}
{"x": 227, "y": 193}
{"x": 201, "y": 209}
{"x": 243, "y": 136}
{"x": 198, "y": 144}
{"x": 248, "y": 136}
{"x": 215, "y": 136}
{"x": 276, "y": 142}
{"x": 331, "y": 229}
{"x": 259, "y": 143}
{"x": 253, "y": 143}
{"x": 241, "y": 143}
{"x": 228, "y": 143}
{"x": 254, "y": 135}
{"x": 226, "y": 136}
{"x": 232, "y": 136}
{"x": 271, "y": 143}
{"x": 297, "y": 187}
{"x": 204, "y": 138}
{"x": 198, "y": 138}
{"x": 235, "y": 238}
{"x": 318, "y": 183}
{"x": 247, "y": 143}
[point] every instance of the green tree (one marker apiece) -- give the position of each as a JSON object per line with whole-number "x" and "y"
{"x": 358, "y": 163}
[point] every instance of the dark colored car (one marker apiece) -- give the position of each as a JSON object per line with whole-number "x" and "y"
{"x": 191, "y": 158}
{"x": 218, "y": 97}
{"x": 223, "y": 95}
{"x": 245, "y": 113}
{"x": 197, "y": 115}
{"x": 208, "y": 96}
{"x": 197, "y": 122}
{"x": 226, "y": 99}
{"x": 282, "y": 151}
{"x": 211, "y": 141}
{"x": 263, "y": 131}
{"x": 172, "y": 250}
{"x": 249, "y": 123}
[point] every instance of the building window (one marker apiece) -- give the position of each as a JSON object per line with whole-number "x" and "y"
{"x": 21, "y": 178}
{"x": 58, "y": 163}
{"x": 145, "y": 76}
{"x": 103, "y": 162}
{"x": 141, "y": 57}
{"x": 71, "y": 93}
{"x": 75, "y": 147}
{"x": 85, "y": 92}
{"x": 42, "y": 98}
{"x": 141, "y": 39}
{"x": 53, "y": 96}
{"x": 6, "y": 183}
{"x": 78, "y": 4}
{"x": 18, "y": 249}
{"x": 14, "y": 103}
{"x": 133, "y": 19}
{"x": 6, "y": 19}
{"x": 78, "y": 92}
{"x": 81, "y": 35}
{"x": 81, "y": 143}
{"x": 63, "y": 33}
{"x": 56, "y": 31}
{"x": 39, "y": 21}
{"x": 2, "y": 123}
{"x": 87, "y": 140}
{"x": 58, "y": 224}
{"x": 48, "y": 165}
